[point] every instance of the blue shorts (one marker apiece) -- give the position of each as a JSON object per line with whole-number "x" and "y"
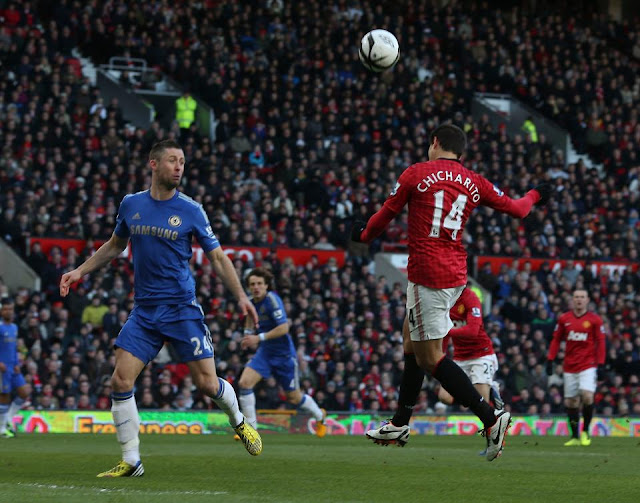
{"x": 10, "y": 381}
{"x": 149, "y": 327}
{"x": 283, "y": 368}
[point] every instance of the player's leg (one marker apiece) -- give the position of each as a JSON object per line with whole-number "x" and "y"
{"x": 5, "y": 399}
{"x": 572, "y": 406}
{"x": 411, "y": 383}
{"x": 285, "y": 370}
{"x": 136, "y": 345}
{"x": 587, "y": 385}
{"x": 397, "y": 430}
{"x": 480, "y": 371}
{"x": 246, "y": 397}
{"x": 429, "y": 322}
{"x": 192, "y": 341}
{"x": 494, "y": 396}
{"x": 125, "y": 414}
{"x": 22, "y": 395}
{"x": 306, "y": 403}
{"x": 205, "y": 378}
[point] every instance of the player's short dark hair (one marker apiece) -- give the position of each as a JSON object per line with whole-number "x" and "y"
{"x": 6, "y": 301}
{"x": 261, "y": 272}
{"x": 451, "y": 138}
{"x": 158, "y": 149}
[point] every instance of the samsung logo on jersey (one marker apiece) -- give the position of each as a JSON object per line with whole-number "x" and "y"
{"x": 447, "y": 176}
{"x": 152, "y": 230}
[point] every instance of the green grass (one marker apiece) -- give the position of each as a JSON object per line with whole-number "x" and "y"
{"x": 300, "y": 468}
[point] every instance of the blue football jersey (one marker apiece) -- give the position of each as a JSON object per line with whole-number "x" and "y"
{"x": 271, "y": 314}
{"x": 161, "y": 233}
{"x": 8, "y": 348}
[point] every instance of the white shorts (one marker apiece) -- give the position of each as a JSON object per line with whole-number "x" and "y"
{"x": 480, "y": 370}
{"x": 428, "y": 311}
{"x": 576, "y": 382}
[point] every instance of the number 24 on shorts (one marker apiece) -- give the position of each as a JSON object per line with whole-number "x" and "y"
{"x": 206, "y": 342}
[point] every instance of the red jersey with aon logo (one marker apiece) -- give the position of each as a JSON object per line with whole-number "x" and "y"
{"x": 584, "y": 338}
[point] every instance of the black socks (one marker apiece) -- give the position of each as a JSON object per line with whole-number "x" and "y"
{"x": 412, "y": 378}
{"x": 456, "y": 382}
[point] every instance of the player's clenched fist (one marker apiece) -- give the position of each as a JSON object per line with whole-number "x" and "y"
{"x": 68, "y": 279}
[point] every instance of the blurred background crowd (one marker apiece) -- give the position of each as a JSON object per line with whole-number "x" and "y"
{"x": 307, "y": 141}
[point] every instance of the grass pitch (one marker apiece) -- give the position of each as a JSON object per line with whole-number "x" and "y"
{"x": 302, "y": 468}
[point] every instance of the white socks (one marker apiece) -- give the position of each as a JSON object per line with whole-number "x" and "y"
{"x": 127, "y": 422}
{"x": 309, "y": 404}
{"x": 4, "y": 408}
{"x": 228, "y": 402}
{"x": 248, "y": 405}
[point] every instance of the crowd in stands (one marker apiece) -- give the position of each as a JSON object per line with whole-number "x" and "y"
{"x": 307, "y": 141}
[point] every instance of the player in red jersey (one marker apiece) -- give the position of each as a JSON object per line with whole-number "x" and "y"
{"x": 472, "y": 351}
{"x": 441, "y": 194}
{"x": 584, "y": 336}
{"x": 472, "y": 347}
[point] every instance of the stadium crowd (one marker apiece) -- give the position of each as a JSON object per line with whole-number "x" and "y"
{"x": 307, "y": 141}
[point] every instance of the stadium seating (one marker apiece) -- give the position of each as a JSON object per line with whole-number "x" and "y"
{"x": 333, "y": 140}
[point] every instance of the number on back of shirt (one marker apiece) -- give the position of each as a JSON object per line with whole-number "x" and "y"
{"x": 453, "y": 220}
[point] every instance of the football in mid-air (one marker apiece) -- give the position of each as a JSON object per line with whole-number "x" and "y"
{"x": 379, "y": 50}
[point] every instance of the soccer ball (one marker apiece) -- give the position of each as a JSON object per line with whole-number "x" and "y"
{"x": 379, "y": 50}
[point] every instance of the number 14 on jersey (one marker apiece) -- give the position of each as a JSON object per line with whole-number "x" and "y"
{"x": 453, "y": 220}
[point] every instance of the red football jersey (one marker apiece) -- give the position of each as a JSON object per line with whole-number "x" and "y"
{"x": 585, "y": 341}
{"x": 441, "y": 195}
{"x": 470, "y": 340}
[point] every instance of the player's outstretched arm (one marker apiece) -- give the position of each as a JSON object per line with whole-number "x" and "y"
{"x": 105, "y": 254}
{"x": 518, "y": 208}
{"x": 224, "y": 268}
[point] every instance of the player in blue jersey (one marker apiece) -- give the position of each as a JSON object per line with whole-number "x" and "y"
{"x": 160, "y": 223}
{"x": 11, "y": 379}
{"x": 275, "y": 356}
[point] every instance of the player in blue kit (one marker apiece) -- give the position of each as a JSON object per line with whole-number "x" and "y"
{"x": 161, "y": 222}
{"x": 276, "y": 355}
{"x": 11, "y": 379}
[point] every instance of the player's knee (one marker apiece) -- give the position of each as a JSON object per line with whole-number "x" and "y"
{"x": 208, "y": 384}
{"x": 121, "y": 383}
{"x": 244, "y": 383}
{"x": 428, "y": 362}
{"x": 294, "y": 399}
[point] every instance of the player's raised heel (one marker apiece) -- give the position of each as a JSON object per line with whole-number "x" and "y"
{"x": 497, "y": 434}
{"x": 123, "y": 469}
{"x": 388, "y": 434}
{"x": 321, "y": 428}
{"x": 250, "y": 438}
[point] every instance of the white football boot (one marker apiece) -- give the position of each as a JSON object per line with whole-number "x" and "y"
{"x": 389, "y": 434}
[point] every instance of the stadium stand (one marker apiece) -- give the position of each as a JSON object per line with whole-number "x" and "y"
{"x": 306, "y": 141}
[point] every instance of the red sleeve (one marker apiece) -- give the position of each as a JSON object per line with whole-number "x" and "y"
{"x": 474, "y": 320}
{"x": 601, "y": 338}
{"x": 377, "y": 224}
{"x": 558, "y": 336}
{"x": 392, "y": 206}
{"x": 494, "y": 198}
